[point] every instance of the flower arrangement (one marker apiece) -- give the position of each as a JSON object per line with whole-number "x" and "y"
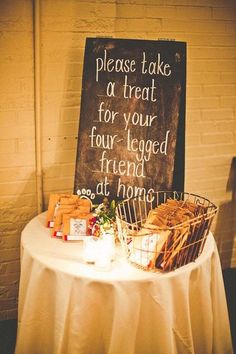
{"x": 103, "y": 219}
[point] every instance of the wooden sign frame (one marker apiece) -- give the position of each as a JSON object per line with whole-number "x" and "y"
{"x": 131, "y": 137}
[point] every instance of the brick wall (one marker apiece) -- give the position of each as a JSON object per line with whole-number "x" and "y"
{"x": 17, "y": 158}
{"x": 208, "y": 27}
{"x": 63, "y": 38}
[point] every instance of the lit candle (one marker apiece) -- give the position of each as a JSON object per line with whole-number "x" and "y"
{"x": 105, "y": 252}
{"x": 90, "y": 249}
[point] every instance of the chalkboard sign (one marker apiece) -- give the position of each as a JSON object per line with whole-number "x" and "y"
{"x": 132, "y": 118}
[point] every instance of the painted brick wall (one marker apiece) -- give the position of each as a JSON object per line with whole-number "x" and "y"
{"x": 208, "y": 27}
{"x": 17, "y": 160}
{"x": 65, "y": 26}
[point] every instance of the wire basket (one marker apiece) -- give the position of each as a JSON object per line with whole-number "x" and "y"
{"x": 164, "y": 230}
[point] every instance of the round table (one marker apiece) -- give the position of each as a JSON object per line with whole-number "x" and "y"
{"x": 69, "y": 307}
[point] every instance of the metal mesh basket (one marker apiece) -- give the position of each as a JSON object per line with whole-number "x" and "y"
{"x": 175, "y": 240}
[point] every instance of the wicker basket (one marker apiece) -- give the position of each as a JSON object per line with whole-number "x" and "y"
{"x": 170, "y": 246}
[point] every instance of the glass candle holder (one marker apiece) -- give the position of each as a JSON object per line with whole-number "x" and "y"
{"x": 90, "y": 249}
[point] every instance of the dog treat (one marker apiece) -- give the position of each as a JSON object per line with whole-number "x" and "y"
{"x": 174, "y": 216}
{"x": 173, "y": 212}
{"x": 62, "y": 204}
{"x": 75, "y": 225}
{"x": 164, "y": 230}
{"x": 69, "y": 199}
{"x": 53, "y": 202}
{"x": 144, "y": 250}
{"x": 58, "y": 219}
{"x": 84, "y": 205}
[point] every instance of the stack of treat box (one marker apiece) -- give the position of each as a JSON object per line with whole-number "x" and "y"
{"x": 68, "y": 216}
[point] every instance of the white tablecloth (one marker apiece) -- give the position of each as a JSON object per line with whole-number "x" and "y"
{"x": 69, "y": 307}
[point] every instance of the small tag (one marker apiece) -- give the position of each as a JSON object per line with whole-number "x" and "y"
{"x": 73, "y": 238}
{"x": 51, "y": 224}
{"x": 57, "y": 234}
{"x": 78, "y": 227}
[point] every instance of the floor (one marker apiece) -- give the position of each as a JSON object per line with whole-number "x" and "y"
{"x": 7, "y": 336}
{"x": 230, "y": 289}
{"x": 8, "y": 328}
